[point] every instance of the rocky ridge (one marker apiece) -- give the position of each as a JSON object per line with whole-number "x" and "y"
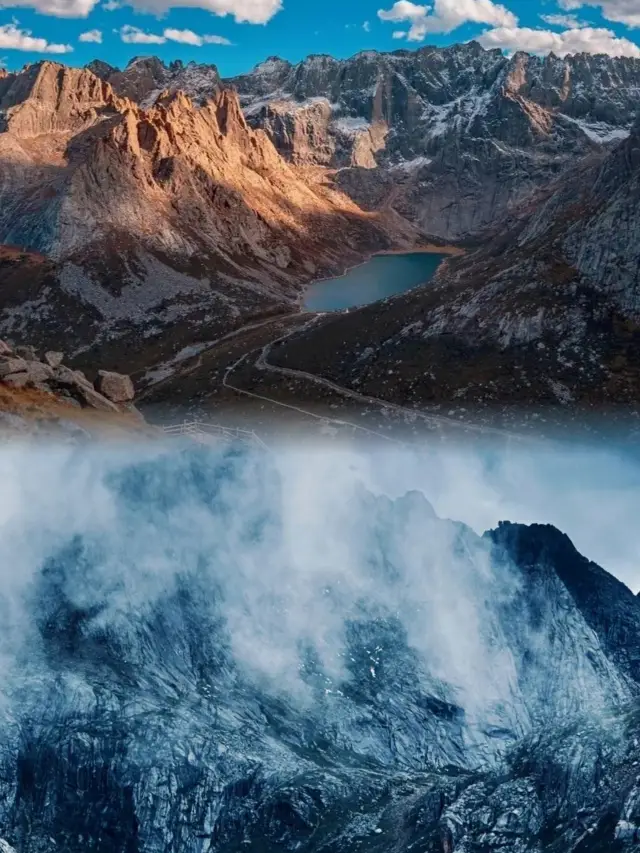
{"x": 452, "y": 137}
{"x": 145, "y": 78}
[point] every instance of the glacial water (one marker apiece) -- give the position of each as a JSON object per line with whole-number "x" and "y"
{"x": 378, "y": 278}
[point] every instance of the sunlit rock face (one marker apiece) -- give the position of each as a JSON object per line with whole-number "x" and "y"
{"x": 211, "y": 650}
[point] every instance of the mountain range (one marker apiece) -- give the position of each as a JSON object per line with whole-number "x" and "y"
{"x": 161, "y": 207}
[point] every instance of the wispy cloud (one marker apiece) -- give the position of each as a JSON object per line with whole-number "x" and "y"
{"x": 619, "y": 11}
{"x": 567, "y": 22}
{"x": 134, "y": 35}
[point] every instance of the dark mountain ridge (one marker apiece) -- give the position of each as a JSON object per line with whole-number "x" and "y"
{"x": 145, "y": 716}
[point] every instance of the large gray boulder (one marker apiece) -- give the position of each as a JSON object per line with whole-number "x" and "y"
{"x": 27, "y": 352}
{"x": 94, "y": 399}
{"x": 38, "y": 373}
{"x": 53, "y": 359}
{"x": 79, "y": 385}
{"x": 116, "y": 387}
{"x": 12, "y": 365}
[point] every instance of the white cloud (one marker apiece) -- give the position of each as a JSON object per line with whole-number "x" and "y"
{"x": 445, "y": 16}
{"x": 13, "y": 38}
{"x": 111, "y": 5}
{"x": 133, "y": 35}
{"x": 567, "y": 22}
{"x": 55, "y": 8}
{"x": 584, "y": 40}
{"x": 619, "y": 11}
{"x": 243, "y": 11}
{"x": 189, "y": 37}
{"x": 366, "y": 27}
{"x": 93, "y": 36}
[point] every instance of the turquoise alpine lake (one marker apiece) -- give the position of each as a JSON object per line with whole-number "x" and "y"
{"x": 381, "y": 276}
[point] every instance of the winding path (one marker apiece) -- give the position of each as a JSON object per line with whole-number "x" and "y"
{"x": 436, "y": 422}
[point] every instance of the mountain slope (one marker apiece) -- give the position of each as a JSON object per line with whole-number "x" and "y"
{"x": 544, "y": 313}
{"x": 180, "y": 701}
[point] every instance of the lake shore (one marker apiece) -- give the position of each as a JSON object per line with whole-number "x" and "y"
{"x": 427, "y": 249}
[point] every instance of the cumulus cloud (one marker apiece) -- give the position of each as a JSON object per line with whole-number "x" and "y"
{"x": 619, "y": 11}
{"x": 445, "y": 16}
{"x": 92, "y": 36}
{"x": 55, "y": 8}
{"x": 582, "y": 40}
{"x": 194, "y": 39}
{"x": 243, "y": 11}
{"x": 13, "y": 38}
{"x": 134, "y": 35}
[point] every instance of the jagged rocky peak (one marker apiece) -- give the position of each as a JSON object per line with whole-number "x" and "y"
{"x": 48, "y": 97}
{"x": 458, "y": 119}
{"x": 381, "y": 726}
{"x": 145, "y": 78}
{"x": 101, "y": 69}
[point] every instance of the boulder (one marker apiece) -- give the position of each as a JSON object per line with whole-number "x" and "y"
{"x": 12, "y": 365}
{"x": 53, "y": 359}
{"x": 38, "y": 372}
{"x": 94, "y": 399}
{"x": 70, "y": 378}
{"x": 115, "y": 386}
{"x": 16, "y": 380}
{"x": 27, "y": 352}
{"x": 5, "y": 349}
{"x": 78, "y": 385}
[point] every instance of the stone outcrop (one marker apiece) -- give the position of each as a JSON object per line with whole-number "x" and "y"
{"x": 115, "y": 386}
{"x": 67, "y": 385}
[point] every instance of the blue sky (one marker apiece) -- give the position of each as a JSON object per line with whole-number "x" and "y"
{"x": 292, "y": 29}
